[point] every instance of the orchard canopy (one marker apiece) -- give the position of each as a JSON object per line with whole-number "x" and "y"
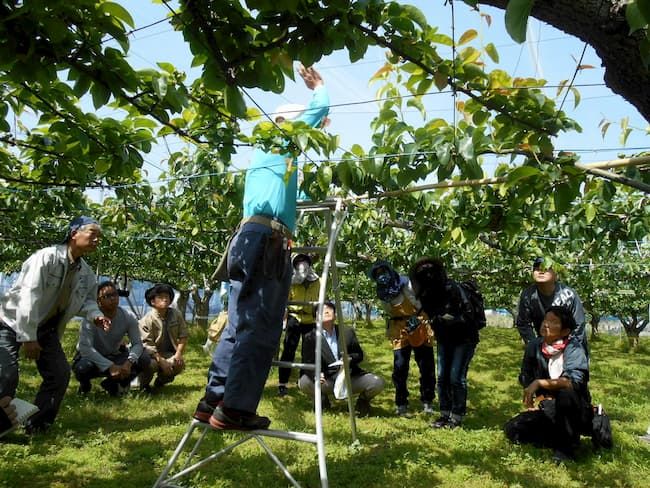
{"x": 413, "y": 188}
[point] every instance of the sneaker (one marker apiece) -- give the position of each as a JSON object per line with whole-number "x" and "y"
{"x": 204, "y": 410}
{"x": 454, "y": 423}
{"x": 362, "y": 407}
{"x": 84, "y": 388}
{"x": 33, "y": 428}
{"x": 283, "y": 390}
{"x": 224, "y": 418}
{"x": 440, "y": 422}
{"x": 427, "y": 408}
{"x": 401, "y": 410}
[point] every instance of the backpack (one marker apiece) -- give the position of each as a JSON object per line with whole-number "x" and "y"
{"x": 601, "y": 429}
{"x": 217, "y": 326}
{"x": 470, "y": 292}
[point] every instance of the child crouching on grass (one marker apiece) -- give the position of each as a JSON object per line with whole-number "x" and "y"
{"x": 164, "y": 337}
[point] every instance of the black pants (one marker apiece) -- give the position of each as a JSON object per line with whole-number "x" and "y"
{"x": 558, "y": 423}
{"x": 292, "y": 334}
{"x": 85, "y": 370}
{"x": 426, "y": 364}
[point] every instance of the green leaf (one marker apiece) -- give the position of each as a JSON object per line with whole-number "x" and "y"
{"x": 492, "y": 52}
{"x": 562, "y": 197}
{"x": 590, "y": 212}
{"x": 234, "y": 101}
{"x": 644, "y": 8}
{"x": 522, "y": 172}
{"x": 416, "y": 15}
{"x": 576, "y": 96}
{"x": 469, "y": 55}
{"x": 117, "y": 11}
{"x": 168, "y": 67}
{"x": 625, "y": 130}
{"x": 517, "y": 13}
{"x": 467, "y": 36}
{"x": 634, "y": 17}
{"x": 160, "y": 86}
{"x": 100, "y": 95}
{"x": 102, "y": 165}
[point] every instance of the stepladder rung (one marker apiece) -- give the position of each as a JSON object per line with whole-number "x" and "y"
{"x": 309, "y": 249}
{"x": 289, "y": 364}
{"x": 298, "y": 302}
{"x": 310, "y": 206}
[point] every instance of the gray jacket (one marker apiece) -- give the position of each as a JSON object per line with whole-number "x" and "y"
{"x": 96, "y": 344}
{"x": 30, "y": 300}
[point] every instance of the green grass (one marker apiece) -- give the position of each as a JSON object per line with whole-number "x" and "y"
{"x": 100, "y": 441}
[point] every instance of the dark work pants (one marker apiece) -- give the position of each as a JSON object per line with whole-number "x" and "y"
{"x": 292, "y": 334}
{"x": 260, "y": 276}
{"x": 557, "y": 424}
{"x": 52, "y": 366}
{"x": 85, "y": 370}
{"x": 424, "y": 359}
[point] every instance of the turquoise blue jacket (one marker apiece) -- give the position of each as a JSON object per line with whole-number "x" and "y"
{"x": 266, "y": 191}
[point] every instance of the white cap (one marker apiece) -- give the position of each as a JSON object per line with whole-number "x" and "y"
{"x": 288, "y": 111}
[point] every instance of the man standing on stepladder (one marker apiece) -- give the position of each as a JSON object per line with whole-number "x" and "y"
{"x": 259, "y": 271}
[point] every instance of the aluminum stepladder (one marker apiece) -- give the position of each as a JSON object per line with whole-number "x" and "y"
{"x": 335, "y": 214}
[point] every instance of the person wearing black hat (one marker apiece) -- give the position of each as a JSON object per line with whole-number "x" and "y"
{"x": 305, "y": 286}
{"x": 408, "y": 331}
{"x": 54, "y": 285}
{"x": 457, "y": 335}
{"x": 164, "y": 337}
{"x": 547, "y": 291}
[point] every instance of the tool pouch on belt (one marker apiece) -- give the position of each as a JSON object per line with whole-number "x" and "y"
{"x": 221, "y": 273}
{"x": 277, "y": 254}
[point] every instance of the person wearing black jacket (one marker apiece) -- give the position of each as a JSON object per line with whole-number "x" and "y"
{"x": 450, "y": 315}
{"x": 367, "y": 385}
{"x": 538, "y": 297}
{"x": 555, "y": 373}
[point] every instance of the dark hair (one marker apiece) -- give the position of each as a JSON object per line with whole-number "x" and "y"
{"x": 326, "y": 303}
{"x": 158, "y": 289}
{"x": 427, "y": 273}
{"x": 565, "y": 315}
{"x": 105, "y": 284}
{"x": 300, "y": 258}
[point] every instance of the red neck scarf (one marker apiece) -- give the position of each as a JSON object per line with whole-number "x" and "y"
{"x": 550, "y": 350}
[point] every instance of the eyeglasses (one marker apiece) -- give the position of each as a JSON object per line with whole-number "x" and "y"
{"x": 109, "y": 296}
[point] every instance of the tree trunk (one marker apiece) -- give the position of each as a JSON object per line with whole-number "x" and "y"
{"x": 202, "y": 306}
{"x": 633, "y": 326}
{"x": 368, "y": 306}
{"x": 602, "y": 25}
{"x": 594, "y": 321}
{"x": 513, "y": 313}
{"x": 183, "y": 297}
{"x": 633, "y": 341}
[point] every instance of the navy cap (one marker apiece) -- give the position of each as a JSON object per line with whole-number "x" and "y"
{"x": 77, "y": 223}
{"x": 538, "y": 262}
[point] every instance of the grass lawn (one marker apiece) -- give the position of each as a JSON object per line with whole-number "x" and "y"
{"x": 100, "y": 441}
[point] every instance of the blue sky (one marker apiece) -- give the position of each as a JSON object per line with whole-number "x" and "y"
{"x": 551, "y": 54}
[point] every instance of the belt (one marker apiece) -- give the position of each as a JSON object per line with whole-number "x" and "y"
{"x": 274, "y": 224}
